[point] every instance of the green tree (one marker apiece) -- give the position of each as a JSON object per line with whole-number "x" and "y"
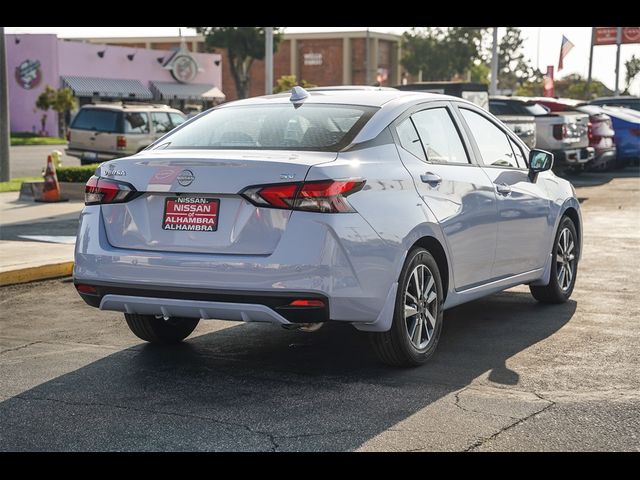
{"x": 571, "y": 86}
{"x": 632, "y": 67}
{"x": 287, "y": 82}
{"x": 441, "y": 53}
{"x": 514, "y": 68}
{"x": 60, "y": 101}
{"x": 244, "y": 45}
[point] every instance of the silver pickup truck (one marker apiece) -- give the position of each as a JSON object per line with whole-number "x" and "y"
{"x": 565, "y": 134}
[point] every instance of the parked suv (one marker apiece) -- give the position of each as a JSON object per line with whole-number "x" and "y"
{"x": 106, "y": 131}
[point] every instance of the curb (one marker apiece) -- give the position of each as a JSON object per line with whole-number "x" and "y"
{"x": 32, "y": 274}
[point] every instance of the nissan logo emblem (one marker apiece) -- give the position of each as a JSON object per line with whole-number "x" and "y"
{"x": 186, "y": 178}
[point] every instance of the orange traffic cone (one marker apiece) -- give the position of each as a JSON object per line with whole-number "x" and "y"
{"x": 51, "y": 190}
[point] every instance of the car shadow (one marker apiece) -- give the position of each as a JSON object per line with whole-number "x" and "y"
{"x": 594, "y": 179}
{"x": 259, "y": 387}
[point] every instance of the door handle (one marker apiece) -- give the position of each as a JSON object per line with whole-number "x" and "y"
{"x": 503, "y": 189}
{"x": 431, "y": 178}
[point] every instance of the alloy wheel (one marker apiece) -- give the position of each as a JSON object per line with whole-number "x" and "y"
{"x": 420, "y": 306}
{"x": 565, "y": 259}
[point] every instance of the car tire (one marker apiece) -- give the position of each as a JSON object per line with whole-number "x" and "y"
{"x": 558, "y": 290}
{"x": 158, "y": 330}
{"x": 398, "y": 347}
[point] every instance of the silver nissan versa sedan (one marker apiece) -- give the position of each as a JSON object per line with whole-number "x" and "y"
{"x": 378, "y": 208}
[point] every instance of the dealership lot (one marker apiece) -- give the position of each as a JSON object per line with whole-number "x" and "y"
{"x": 509, "y": 373}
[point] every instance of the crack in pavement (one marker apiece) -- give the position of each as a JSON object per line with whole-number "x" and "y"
{"x": 269, "y": 436}
{"x": 470, "y": 410}
{"x": 19, "y": 347}
{"x": 482, "y": 441}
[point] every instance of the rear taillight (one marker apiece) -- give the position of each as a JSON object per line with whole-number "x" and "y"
{"x": 559, "y": 131}
{"x": 635, "y": 131}
{"x": 121, "y": 142}
{"x": 326, "y": 196}
{"x": 590, "y": 130}
{"x": 103, "y": 190}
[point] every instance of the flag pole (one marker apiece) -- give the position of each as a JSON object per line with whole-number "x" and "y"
{"x": 593, "y": 39}
{"x": 618, "y": 42}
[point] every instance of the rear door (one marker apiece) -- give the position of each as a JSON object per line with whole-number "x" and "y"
{"x": 456, "y": 190}
{"x": 524, "y": 206}
{"x": 94, "y": 130}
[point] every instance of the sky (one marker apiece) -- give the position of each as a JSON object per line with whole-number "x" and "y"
{"x": 542, "y": 45}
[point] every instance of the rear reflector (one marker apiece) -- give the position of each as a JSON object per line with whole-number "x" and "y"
{"x": 307, "y": 303}
{"x": 82, "y": 288}
{"x": 326, "y": 196}
{"x": 103, "y": 190}
{"x": 121, "y": 142}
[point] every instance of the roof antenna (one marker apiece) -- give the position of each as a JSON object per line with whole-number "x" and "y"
{"x": 298, "y": 95}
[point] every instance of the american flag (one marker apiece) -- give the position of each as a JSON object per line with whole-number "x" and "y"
{"x": 565, "y": 48}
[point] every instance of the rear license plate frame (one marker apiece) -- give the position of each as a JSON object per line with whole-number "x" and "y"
{"x": 203, "y": 225}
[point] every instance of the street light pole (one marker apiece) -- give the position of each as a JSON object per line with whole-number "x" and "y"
{"x": 5, "y": 172}
{"x": 268, "y": 64}
{"x": 493, "y": 88}
{"x": 618, "y": 42}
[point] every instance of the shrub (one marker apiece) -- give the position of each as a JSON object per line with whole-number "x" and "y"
{"x": 76, "y": 174}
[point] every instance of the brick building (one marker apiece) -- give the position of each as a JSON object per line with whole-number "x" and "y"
{"x": 327, "y": 58}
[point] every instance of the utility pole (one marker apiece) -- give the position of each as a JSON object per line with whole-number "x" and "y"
{"x": 493, "y": 88}
{"x": 593, "y": 40}
{"x": 268, "y": 64}
{"x": 5, "y": 172}
{"x": 618, "y": 42}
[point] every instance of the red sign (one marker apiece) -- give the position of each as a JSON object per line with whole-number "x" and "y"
{"x": 194, "y": 214}
{"x": 607, "y": 35}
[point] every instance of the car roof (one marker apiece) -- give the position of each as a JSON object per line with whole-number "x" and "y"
{"x": 346, "y": 96}
{"x": 620, "y": 97}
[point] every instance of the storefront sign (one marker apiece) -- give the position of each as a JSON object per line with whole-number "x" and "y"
{"x": 313, "y": 59}
{"x": 607, "y": 35}
{"x": 29, "y": 74}
{"x": 183, "y": 66}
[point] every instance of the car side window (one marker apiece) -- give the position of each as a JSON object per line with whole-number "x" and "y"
{"x": 409, "y": 139}
{"x": 161, "y": 122}
{"x": 440, "y": 137}
{"x": 136, "y": 122}
{"x": 520, "y": 156}
{"x": 492, "y": 142}
{"x": 177, "y": 119}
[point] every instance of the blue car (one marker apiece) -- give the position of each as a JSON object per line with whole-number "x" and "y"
{"x": 380, "y": 209}
{"x": 626, "y": 123}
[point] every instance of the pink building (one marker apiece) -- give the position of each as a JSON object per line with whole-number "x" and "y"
{"x": 103, "y": 72}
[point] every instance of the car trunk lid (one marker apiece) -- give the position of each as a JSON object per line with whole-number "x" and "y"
{"x": 191, "y": 201}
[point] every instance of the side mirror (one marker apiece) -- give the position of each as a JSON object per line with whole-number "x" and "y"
{"x": 539, "y": 161}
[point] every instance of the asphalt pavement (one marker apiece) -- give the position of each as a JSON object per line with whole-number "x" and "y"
{"x": 29, "y": 160}
{"x": 509, "y": 374}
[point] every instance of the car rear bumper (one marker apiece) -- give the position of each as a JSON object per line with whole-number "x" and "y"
{"x": 603, "y": 158}
{"x": 274, "y": 307}
{"x": 88, "y": 157}
{"x": 339, "y": 260}
{"x": 574, "y": 156}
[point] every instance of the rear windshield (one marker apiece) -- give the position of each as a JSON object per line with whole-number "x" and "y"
{"x": 273, "y": 127}
{"x": 98, "y": 120}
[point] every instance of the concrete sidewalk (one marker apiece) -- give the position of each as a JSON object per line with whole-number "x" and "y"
{"x": 28, "y": 260}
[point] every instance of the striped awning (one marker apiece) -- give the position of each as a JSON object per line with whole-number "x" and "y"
{"x": 106, "y": 87}
{"x": 185, "y": 91}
